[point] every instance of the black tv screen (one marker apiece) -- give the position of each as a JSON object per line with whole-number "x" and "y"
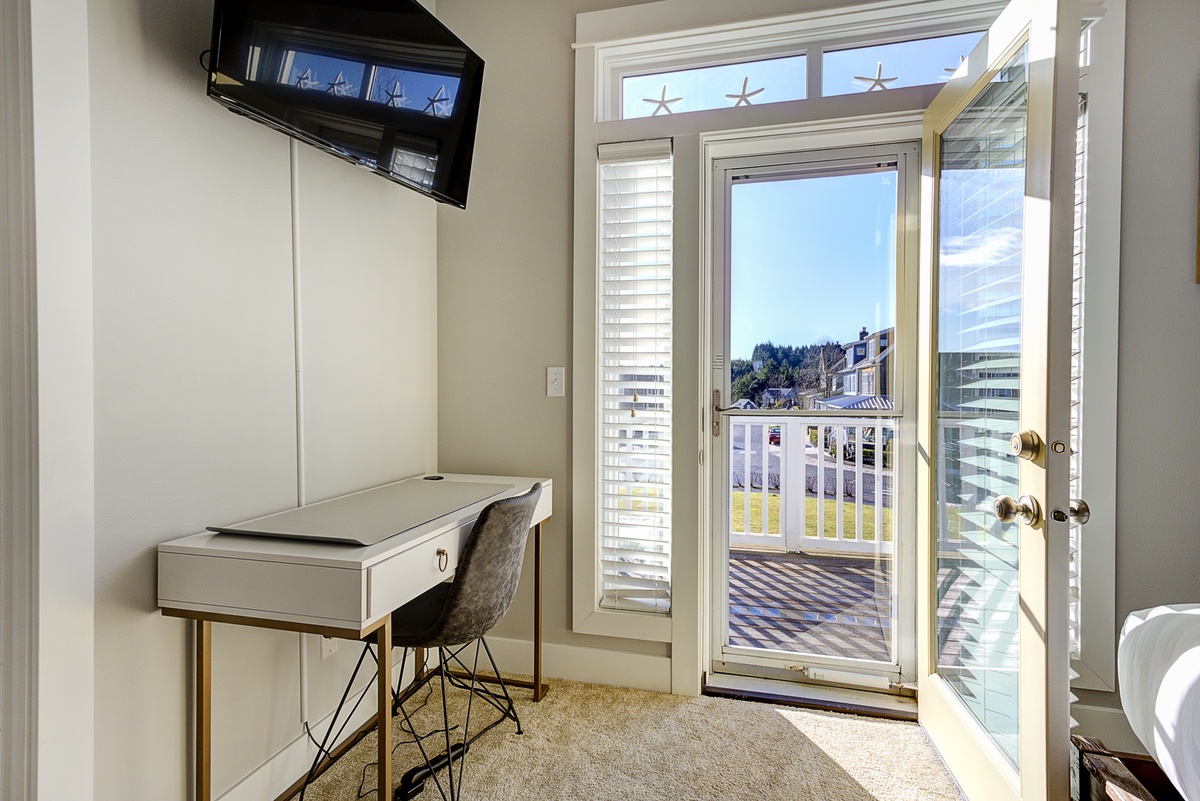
{"x": 381, "y": 83}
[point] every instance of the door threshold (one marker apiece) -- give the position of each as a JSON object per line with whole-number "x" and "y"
{"x": 810, "y": 696}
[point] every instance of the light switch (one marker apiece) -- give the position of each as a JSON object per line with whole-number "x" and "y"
{"x": 555, "y": 382}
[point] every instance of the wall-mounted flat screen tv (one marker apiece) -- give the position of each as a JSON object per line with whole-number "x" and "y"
{"x": 381, "y": 83}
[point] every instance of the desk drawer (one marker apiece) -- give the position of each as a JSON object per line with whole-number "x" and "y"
{"x": 396, "y": 581}
{"x": 261, "y": 588}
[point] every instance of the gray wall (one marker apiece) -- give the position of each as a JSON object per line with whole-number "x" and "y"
{"x": 504, "y": 281}
{"x": 505, "y": 291}
{"x": 195, "y": 377}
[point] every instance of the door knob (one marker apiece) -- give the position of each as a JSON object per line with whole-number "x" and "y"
{"x": 1077, "y": 510}
{"x": 1027, "y": 508}
{"x": 1026, "y": 444}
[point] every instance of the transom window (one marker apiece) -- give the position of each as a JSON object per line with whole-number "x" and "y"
{"x": 913, "y": 63}
{"x": 724, "y": 86}
{"x": 758, "y": 81}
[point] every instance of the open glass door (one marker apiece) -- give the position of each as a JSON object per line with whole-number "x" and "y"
{"x": 994, "y": 417}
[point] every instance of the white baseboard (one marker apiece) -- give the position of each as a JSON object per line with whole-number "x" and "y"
{"x": 590, "y": 665}
{"x": 1109, "y": 726}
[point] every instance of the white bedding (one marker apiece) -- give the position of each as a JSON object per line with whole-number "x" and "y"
{"x": 1158, "y": 662}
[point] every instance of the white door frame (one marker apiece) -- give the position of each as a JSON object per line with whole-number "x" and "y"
{"x": 47, "y": 428}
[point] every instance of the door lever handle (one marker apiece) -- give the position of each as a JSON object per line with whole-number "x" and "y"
{"x": 717, "y": 409}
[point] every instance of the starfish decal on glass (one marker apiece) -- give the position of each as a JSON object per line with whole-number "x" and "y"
{"x": 439, "y": 96}
{"x": 662, "y": 103}
{"x": 743, "y": 99}
{"x": 339, "y": 86}
{"x": 878, "y": 82}
{"x": 951, "y": 70}
{"x": 396, "y": 97}
{"x": 306, "y": 80}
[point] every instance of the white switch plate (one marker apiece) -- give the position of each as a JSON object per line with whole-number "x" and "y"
{"x": 555, "y": 382}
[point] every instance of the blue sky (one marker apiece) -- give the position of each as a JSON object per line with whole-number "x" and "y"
{"x": 812, "y": 258}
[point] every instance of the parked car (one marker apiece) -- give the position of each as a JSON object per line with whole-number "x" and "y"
{"x": 773, "y": 435}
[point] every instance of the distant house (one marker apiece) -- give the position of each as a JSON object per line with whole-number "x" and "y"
{"x": 744, "y": 404}
{"x": 779, "y": 398}
{"x": 865, "y": 380}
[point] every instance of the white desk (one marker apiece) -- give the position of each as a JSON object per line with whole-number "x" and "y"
{"x": 332, "y": 589}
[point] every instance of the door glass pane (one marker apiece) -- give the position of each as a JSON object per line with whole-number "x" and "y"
{"x": 812, "y": 332}
{"x": 980, "y": 240}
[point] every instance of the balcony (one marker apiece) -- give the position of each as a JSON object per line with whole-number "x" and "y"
{"x": 811, "y": 535}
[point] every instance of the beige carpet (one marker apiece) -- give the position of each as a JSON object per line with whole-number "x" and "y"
{"x": 598, "y": 743}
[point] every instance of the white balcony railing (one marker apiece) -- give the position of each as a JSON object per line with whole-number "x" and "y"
{"x": 812, "y": 483}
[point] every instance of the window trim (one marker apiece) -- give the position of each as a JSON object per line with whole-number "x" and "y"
{"x": 1105, "y": 83}
{"x": 625, "y": 53}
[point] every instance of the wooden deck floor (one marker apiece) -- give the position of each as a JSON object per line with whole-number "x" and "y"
{"x": 811, "y": 604}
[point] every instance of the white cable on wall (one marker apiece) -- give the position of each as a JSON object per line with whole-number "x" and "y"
{"x": 298, "y": 340}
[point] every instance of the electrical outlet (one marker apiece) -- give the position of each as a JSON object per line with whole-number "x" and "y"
{"x": 555, "y": 382}
{"x": 328, "y": 647}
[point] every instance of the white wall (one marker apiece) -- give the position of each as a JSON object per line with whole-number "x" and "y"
{"x": 195, "y": 379}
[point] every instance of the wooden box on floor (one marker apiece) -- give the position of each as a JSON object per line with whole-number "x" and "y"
{"x": 1098, "y": 774}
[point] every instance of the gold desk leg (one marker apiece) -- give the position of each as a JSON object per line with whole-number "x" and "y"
{"x": 538, "y": 690}
{"x": 383, "y": 639}
{"x": 203, "y": 710}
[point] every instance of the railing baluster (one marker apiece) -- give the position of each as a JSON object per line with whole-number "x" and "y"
{"x": 839, "y": 481}
{"x": 879, "y": 457}
{"x": 746, "y": 479}
{"x": 765, "y": 479}
{"x": 822, "y": 441}
{"x": 859, "y": 486}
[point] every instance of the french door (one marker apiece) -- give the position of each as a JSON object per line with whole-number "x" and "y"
{"x": 996, "y": 230}
{"x": 814, "y": 566}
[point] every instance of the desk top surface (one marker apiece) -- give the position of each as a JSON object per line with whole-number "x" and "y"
{"x": 410, "y": 505}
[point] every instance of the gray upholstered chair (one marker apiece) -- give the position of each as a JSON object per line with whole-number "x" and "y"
{"x": 456, "y": 614}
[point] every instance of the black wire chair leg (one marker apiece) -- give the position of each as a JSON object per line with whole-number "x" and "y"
{"x": 429, "y": 763}
{"x": 323, "y": 747}
{"x": 512, "y": 708}
{"x": 446, "y": 725}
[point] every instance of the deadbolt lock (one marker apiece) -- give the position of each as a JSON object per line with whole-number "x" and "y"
{"x": 1077, "y": 511}
{"x": 1026, "y": 444}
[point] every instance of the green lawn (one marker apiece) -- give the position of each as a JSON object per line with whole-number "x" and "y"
{"x": 810, "y": 516}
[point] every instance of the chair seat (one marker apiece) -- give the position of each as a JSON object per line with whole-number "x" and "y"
{"x": 413, "y": 622}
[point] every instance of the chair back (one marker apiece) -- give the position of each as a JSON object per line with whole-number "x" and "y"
{"x": 489, "y": 569}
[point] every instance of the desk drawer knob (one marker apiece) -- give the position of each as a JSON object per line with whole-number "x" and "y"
{"x": 443, "y": 559}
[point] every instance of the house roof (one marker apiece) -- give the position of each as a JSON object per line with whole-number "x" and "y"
{"x": 872, "y": 402}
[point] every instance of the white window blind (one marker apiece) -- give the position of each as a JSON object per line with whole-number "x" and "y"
{"x": 1076, "y": 468}
{"x": 634, "y": 470}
